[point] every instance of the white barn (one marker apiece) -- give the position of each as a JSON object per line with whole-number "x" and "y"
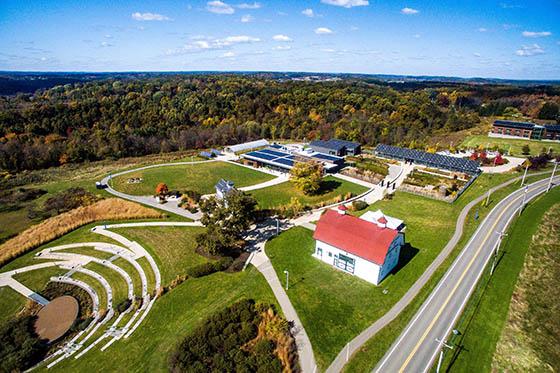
{"x": 357, "y": 246}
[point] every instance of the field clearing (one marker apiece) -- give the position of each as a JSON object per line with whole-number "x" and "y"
{"x": 200, "y": 177}
{"x": 280, "y": 195}
{"x": 173, "y": 316}
{"x": 173, "y": 248}
{"x": 513, "y": 145}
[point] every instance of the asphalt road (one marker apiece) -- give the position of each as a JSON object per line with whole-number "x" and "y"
{"x": 417, "y": 348}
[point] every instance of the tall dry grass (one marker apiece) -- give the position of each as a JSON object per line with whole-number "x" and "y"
{"x": 107, "y": 209}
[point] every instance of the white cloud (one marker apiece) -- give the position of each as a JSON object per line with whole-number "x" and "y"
{"x": 536, "y": 34}
{"x": 323, "y": 31}
{"x": 328, "y": 50}
{"x": 228, "y": 55}
{"x": 416, "y": 36}
{"x": 354, "y": 28}
{"x": 108, "y": 36}
{"x": 409, "y": 11}
{"x": 308, "y": 12}
{"x": 529, "y": 50}
{"x": 476, "y": 54}
{"x": 106, "y": 44}
{"x": 346, "y": 3}
{"x": 149, "y": 17}
{"x": 281, "y": 37}
{"x": 247, "y": 18}
{"x": 202, "y": 43}
{"x": 219, "y": 7}
{"x": 482, "y": 29}
{"x": 255, "y": 5}
{"x": 282, "y": 48}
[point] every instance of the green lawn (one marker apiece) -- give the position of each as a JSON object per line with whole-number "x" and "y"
{"x": 486, "y": 313}
{"x": 513, "y": 145}
{"x": 115, "y": 280}
{"x": 281, "y": 194}
{"x": 172, "y": 247}
{"x": 352, "y": 303}
{"x": 96, "y": 285}
{"x": 11, "y": 302}
{"x": 173, "y": 316}
{"x": 200, "y": 177}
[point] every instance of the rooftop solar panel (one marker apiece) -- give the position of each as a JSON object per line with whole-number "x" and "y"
{"x": 261, "y": 155}
{"x": 327, "y": 157}
{"x": 273, "y": 152}
{"x": 287, "y": 162}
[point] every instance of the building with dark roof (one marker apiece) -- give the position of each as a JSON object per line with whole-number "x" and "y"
{"x": 365, "y": 249}
{"x": 440, "y": 161}
{"x": 552, "y": 132}
{"x": 336, "y": 147}
{"x": 279, "y": 159}
{"x": 511, "y": 128}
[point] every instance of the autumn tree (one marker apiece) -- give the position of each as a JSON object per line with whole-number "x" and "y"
{"x": 162, "y": 189}
{"x": 307, "y": 176}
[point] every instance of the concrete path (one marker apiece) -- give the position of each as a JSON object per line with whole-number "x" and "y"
{"x": 88, "y": 289}
{"x": 278, "y": 180}
{"x": 23, "y": 290}
{"x": 354, "y": 180}
{"x": 373, "y": 329}
{"x": 512, "y": 164}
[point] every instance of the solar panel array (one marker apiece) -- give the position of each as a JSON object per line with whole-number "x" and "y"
{"x": 270, "y": 156}
{"x": 327, "y": 157}
{"x": 434, "y": 160}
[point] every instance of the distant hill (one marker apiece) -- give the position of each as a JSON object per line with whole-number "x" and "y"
{"x": 12, "y": 83}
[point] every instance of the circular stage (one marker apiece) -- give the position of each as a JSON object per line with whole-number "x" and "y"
{"x": 54, "y": 319}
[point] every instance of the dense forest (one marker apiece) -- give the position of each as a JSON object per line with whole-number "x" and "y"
{"x": 118, "y": 117}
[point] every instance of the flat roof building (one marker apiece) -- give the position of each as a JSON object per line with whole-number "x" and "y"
{"x": 336, "y": 147}
{"x": 246, "y": 146}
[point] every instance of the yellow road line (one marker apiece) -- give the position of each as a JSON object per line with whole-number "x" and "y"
{"x": 438, "y": 314}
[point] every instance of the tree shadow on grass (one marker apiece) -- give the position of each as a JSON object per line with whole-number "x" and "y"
{"x": 407, "y": 253}
{"x": 328, "y": 186}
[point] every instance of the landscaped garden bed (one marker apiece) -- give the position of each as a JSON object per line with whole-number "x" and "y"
{"x": 433, "y": 183}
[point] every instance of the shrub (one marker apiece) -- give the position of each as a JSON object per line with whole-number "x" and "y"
{"x": 359, "y": 205}
{"x": 208, "y": 268}
{"x": 21, "y": 347}
{"x": 123, "y": 306}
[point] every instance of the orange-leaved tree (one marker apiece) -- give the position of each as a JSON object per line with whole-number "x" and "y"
{"x": 161, "y": 189}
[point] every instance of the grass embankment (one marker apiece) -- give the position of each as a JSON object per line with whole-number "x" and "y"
{"x": 201, "y": 177}
{"x": 514, "y": 146}
{"x": 530, "y": 333}
{"x": 173, "y": 248}
{"x": 374, "y": 349}
{"x": 430, "y": 224}
{"x": 281, "y": 194}
{"x": 107, "y": 209}
{"x": 174, "y": 315}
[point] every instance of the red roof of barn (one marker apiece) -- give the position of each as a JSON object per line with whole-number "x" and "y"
{"x": 354, "y": 235}
{"x": 382, "y": 220}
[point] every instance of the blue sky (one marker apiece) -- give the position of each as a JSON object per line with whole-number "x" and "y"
{"x": 502, "y": 38}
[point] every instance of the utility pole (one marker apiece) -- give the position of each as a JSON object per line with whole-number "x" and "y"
{"x": 497, "y": 250}
{"x": 551, "y": 177}
{"x": 444, "y": 345}
{"x": 488, "y": 197}
{"x": 287, "y": 278}
{"x": 524, "y": 198}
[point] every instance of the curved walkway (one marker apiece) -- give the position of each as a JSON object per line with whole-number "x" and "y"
{"x": 363, "y": 337}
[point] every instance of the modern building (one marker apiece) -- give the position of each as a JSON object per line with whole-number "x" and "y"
{"x": 279, "y": 159}
{"x": 246, "y": 146}
{"x": 336, "y": 147}
{"x": 508, "y": 128}
{"x": 357, "y": 246}
{"x": 440, "y": 161}
{"x": 223, "y": 188}
{"x": 552, "y": 132}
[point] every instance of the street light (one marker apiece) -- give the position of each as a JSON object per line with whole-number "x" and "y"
{"x": 443, "y": 346}
{"x": 551, "y": 176}
{"x": 287, "y": 278}
{"x": 501, "y": 235}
